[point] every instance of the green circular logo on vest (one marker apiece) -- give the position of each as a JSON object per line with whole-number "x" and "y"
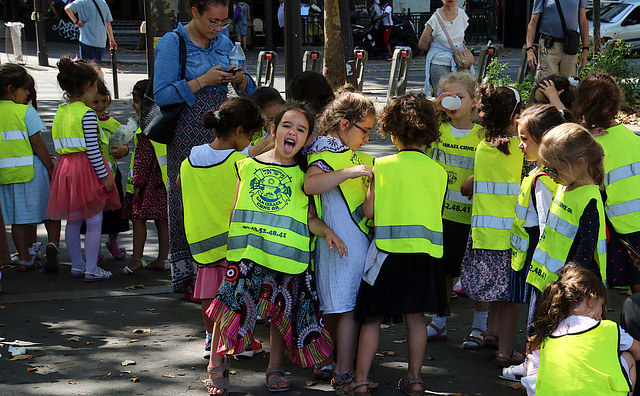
{"x": 270, "y": 189}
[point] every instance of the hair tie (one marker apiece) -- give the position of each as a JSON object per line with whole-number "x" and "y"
{"x": 75, "y": 59}
{"x": 216, "y": 114}
{"x": 574, "y": 82}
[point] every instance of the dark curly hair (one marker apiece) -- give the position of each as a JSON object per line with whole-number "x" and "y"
{"x": 203, "y": 5}
{"x": 411, "y": 119}
{"x": 233, "y": 113}
{"x": 311, "y": 88}
{"x": 496, "y": 108}
{"x": 597, "y": 101}
{"x": 539, "y": 119}
{"x": 73, "y": 75}
{"x": 140, "y": 88}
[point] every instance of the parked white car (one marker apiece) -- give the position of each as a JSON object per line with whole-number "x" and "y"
{"x": 620, "y": 20}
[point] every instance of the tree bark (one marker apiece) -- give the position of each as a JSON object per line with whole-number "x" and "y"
{"x": 334, "y": 69}
{"x": 597, "y": 40}
{"x": 164, "y": 17}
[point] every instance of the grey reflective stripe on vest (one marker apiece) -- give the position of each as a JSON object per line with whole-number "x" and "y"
{"x": 494, "y": 188}
{"x": 549, "y": 262}
{"x": 271, "y": 220}
{"x": 409, "y": 231}
{"x": 209, "y": 244}
{"x": 519, "y": 243}
{"x": 521, "y": 211}
{"x": 562, "y": 227}
{"x": 131, "y": 173}
{"x": 602, "y": 246}
{"x": 72, "y": 142}
{"x": 499, "y": 223}
{"x": 623, "y": 208}
{"x": 14, "y": 135}
{"x": 16, "y": 161}
{"x": 457, "y": 197}
{"x": 458, "y": 161}
{"x": 162, "y": 161}
{"x": 268, "y": 247}
{"x": 622, "y": 173}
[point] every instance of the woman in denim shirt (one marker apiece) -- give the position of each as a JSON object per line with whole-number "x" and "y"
{"x": 204, "y": 88}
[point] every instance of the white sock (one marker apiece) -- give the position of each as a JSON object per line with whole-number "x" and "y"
{"x": 439, "y": 321}
{"x": 479, "y": 322}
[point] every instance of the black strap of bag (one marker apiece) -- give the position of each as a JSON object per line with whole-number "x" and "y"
{"x": 564, "y": 24}
{"x": 100, "y": 13}
{"x": 571, "y": 39}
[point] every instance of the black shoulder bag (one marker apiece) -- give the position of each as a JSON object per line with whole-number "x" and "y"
{"x": 159, "y": 122}
{"x": 571, "y": 37}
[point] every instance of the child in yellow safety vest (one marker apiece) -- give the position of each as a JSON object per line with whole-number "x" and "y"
{"x": 82, "y": 187}
{"x": 25, "y": 169}
{"x": 112, "y": 221}
{"x": 208, "y": 180}
{"x": 338, "y": 177}
{"x": 573, "y": 349}
{"x": 596, "y": 106}
{"x": 268, "y": 254}
{"x": 455, "y": 151}
{"x": 146, "y": 197}
{"x": 404, "y": 277}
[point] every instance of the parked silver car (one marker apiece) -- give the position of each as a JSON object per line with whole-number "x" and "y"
{"x": 620, "y": 20}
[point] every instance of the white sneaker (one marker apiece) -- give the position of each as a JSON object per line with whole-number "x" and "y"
{"x": 207, "y": 348}
{"x": 252, "y": 350}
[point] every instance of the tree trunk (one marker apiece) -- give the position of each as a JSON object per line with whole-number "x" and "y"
{"x": 164, "y": 16}
{"x": 334, "y": 69}
{"x": 597, "y": 41}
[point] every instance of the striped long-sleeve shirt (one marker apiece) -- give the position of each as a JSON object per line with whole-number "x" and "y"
{"x": 90, "y": 128}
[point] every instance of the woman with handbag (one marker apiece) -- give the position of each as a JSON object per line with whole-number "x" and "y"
{"x": 204, "y": 87}
{"x": 443, "y": 40}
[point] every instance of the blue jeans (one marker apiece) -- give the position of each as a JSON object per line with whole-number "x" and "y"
{"x": 90, "y": 53}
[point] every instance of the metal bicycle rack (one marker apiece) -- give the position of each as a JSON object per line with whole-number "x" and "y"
{"x": 399, "y": 72}
{"x": 312, "y": 60}
{"x": 267, "y": 61}
{"x": 487, "y": 54}
{"x": 361, "y": 56}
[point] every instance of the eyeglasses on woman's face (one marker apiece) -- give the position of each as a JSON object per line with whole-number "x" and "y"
{"x": 219, "y": 24}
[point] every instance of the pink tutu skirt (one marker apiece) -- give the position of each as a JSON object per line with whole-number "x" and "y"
{"x": 76, "y": 193}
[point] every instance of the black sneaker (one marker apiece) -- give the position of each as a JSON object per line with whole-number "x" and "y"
{"x": 53, "y": 262}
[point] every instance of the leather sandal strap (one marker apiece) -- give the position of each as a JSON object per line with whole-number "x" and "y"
{"x": 273, "y": 370}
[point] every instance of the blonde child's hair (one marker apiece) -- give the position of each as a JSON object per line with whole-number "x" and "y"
{"x": 564, "y": 144}
{"x": 465, "y": 79}
{"x": 559, "y": 298}
{"x": 350, "y": 106}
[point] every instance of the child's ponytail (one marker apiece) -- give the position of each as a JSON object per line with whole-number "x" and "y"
{"x": 74, "y": 74}
{"x": 496, "y": 108}
{"x": 234, "y": 113}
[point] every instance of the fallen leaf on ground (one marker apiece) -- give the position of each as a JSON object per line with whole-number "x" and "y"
{"x": 133, "y": 287}
{"x": 8, "y": 266}
{"x": 431, "y": 358}
{"x": 3, "y": 306}
{"x": 168, "y": 376}
{"x": 388, "y": 353}
{"x": 399, "y": 341}
{"x": 109, "y": 375}
{"x": 151, "y": 309}
{"x": 139, "y": 331}
{"x": 20, "y": 357}
{"x": 2, "y": 324}
{"x": 30, "y": 369}
{"x": 89, "y": 343}
{"x": 233, "y": 372}
{"x": 123, "y": 372}
{"x": 514, "y": 386}
{"x": 72, "y": 382}
{"x": 134, "y": 379}
{"x": 311, "y": 383}
{"x": 128, "y": 362}
{"x": 134, "y": 340}
{"x": 74, "y": 338}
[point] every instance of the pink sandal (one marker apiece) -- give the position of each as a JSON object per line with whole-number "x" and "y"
{"x": 117, "y": 251}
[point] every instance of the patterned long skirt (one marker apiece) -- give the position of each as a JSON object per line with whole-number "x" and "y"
{"x": 291, "y": 301}
{"x": 190, "y": 132}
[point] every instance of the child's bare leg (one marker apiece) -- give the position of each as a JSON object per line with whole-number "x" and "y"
{"x": 367, "y": 347}
{"x": 139, "y": 240}
{"x": 276, "y": 356}
{"x": 493, "y": 322}
{"x": 22, "y": 234}
{"x": 417, "y": 344}
{"x": 507, "y": 327}
{"x": 208, "y": 323}
{"x": 331, "y": 324}
{"x": 632, "y": 369}
{"x": 53, "y": 231}
{"x": 163, "y": 244}
{"x": 215, "y": 359}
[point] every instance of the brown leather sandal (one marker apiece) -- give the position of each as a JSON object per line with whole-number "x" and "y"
{"x": 220, "y": 382}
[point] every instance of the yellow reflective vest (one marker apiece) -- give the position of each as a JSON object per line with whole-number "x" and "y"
{"x": 495, "y": 191}
{"x": 581, "y": 364}
{"x": 561, "y": 229}
{"x": 456, "y": 155}
{"x": 353, "y": 191}
{"x": 67, "y": 132}
{"x": 519, "y": 236}
{"x": 161, "y": 154}
{"x": 409, "y": 191}
{"x": 208, "y": 193}
{"x": 269, "y": 224}
{"x": 107, "y": 127}
{"x": 16, "y": 154}
{"x": 622, "y": 178}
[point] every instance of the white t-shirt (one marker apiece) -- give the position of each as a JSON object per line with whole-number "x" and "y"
{"x": 456, "y": 29}
{"x": 388, "y": 20}
{"x": 205, "y": 155}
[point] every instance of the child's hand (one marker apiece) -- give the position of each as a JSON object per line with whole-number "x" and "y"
{"x": 332, "y": 239}
{"x": 136, "y": 194}
{"x": 466, "y": 188}
{"x": 118, "y": 152}
{"x": 108, "y": 184}
{"x": 439, "y": 100}
{"x": 358, "y": 171}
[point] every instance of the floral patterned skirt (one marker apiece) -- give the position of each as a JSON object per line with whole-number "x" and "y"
{"x": 291, "y": 301}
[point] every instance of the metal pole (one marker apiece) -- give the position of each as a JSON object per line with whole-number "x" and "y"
{"x": 292, "y": 40}
{"x": 43, "y": 58}
{"x": 268, "y": 25}
{"x": 149, "y": 37}
{"x": 114, "y": 70}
